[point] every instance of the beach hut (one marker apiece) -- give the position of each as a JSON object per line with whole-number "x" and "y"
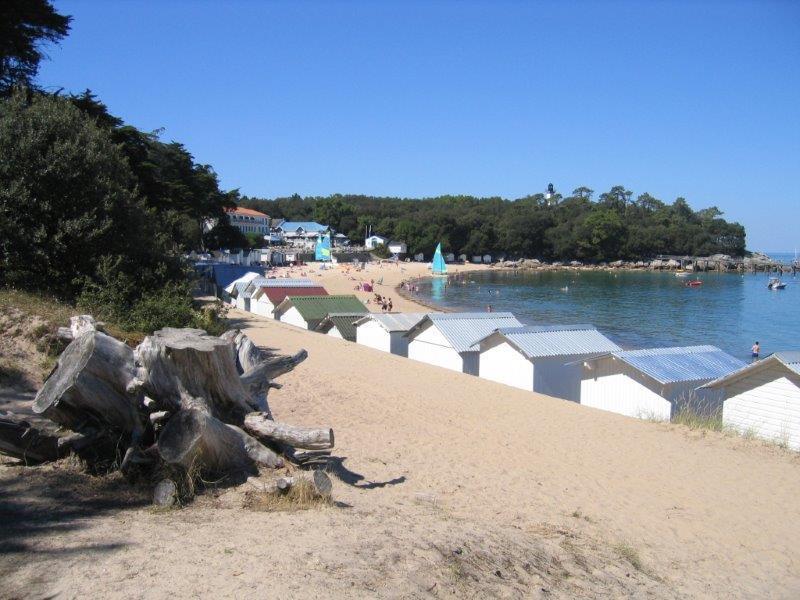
{"x": 542, "y": 358}
{"x": 271, "y": 292}
{"x": 386, "y": 331}
{"x": 462, "y": 258}
{"x": 308, "y": 311}
{"x": 477, "y": 259}
{"x": 763, "y": 398}
{"x": 450, "y": 257}
{"x": 419, "y": 257}
{"x": 447, "y": 340}
{"x": 373, "y": 241}
{"x": 655, "y": 383}
{"x": 487, "y": 258}
{"x": 234, "y": 291}
{"x": 397, "y": 248}
{"x": 340, "y": 325}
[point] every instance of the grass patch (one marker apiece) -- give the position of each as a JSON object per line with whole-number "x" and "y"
{"x": 301, "y": 496}
{"x": 629, "y": 553}
{"x": 694, "y": 420}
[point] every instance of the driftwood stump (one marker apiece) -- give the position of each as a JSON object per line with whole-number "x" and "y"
{"x": 182, "y": 399}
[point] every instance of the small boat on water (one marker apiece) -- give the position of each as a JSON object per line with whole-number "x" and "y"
{"x": 682, "y": 274}
{"x": 775, "y": 284}
{"x": 693, "y": 283}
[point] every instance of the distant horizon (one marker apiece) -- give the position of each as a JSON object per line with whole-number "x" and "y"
{"x": 697, "y": 100}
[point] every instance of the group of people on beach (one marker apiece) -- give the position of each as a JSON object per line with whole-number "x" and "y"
{"x": 384, "y": 302}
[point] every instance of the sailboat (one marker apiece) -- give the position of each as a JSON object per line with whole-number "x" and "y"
{"x": 322, "y": 251}
{"x": 438, "y": 266}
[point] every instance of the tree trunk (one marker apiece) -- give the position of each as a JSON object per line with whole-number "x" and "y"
{"x": 259, "y": 425}
{"x": 194, "y": 440}
{"x": 92, "y": 387}
{"x": 187, "y": 368}
{"x": 318, "y": 481}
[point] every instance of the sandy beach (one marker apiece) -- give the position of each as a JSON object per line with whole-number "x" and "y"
{"x": 446, "y": 486}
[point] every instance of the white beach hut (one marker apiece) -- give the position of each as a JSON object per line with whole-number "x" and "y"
{"x": 542, "y": 359}
{"x": 655, "y": 383}
{"x": 447, "y": 340}
{"x": 386, "y": 331}
{"x": 231, "y": 291}
{"x": 268, "y": 293}
{"x": 373, "y": 241}
{"x": 763, "y": 398}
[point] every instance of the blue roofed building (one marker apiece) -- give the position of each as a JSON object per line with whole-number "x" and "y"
{"x": 448, "y": 339}
{"x": 541, "y": 358}
{"x": 300, "y": 233}
{"x": 763, "y": 398}
{"x": 656, "y": 383}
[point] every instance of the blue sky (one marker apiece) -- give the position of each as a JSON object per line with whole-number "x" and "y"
{"x": 684, "y": 98}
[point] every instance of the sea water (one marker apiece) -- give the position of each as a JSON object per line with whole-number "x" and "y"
{"x": 639, "y": 309}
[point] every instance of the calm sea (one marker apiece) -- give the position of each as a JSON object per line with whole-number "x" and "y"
{"x": 641, "y": 309}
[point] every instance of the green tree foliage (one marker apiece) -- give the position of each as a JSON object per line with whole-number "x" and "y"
{"x": 68, "y": 202}
{"x": 80, "y": 220}
{"x": 616, "y": 226}
{"x": 25, "y": 25}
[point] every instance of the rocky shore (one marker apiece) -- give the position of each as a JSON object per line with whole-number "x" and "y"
{"x": 716, "y": 262}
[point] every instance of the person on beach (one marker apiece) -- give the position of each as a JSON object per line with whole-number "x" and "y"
{"x": 755, "y": 351}
{"x": 389, "y": 305}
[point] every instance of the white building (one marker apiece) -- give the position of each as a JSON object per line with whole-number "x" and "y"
{"x": 763, "y": 398}
{"x": 268, "y": 293}
{"x": 447, "y": 340}
{"x": 301, "y": 234}
{"x": 374, "y": 241}
{"x": 340, "y": 325}
{"x": 397, "y": 248}
{"x": 308, "y": 311}
{"x": 655, "y": 383}
{"x": 542, "y": 359}
{"x": 248, "y": 220}
{"x": 386, "y": 331}
{"x": 231, "y": 291}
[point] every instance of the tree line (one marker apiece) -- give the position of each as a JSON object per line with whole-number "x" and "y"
{"x": 94, "y": 210}
{"x": 613, "y": 226}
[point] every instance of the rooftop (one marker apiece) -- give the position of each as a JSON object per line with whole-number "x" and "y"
{"x": 247, "y": 212}
{"x": 344, "y": 322}
{"x": 555, "y": 340}
{"x": 315, "y": 308}
{"x": 789, "y": 359}
{"x": 462, "y": 330}
{"x": 393, "y": 321}
{"x": 304, "y": 225}
{"x": 681, "y": 364}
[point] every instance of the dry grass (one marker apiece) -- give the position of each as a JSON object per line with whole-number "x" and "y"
{"x": 694, "y": 420}
{"x": 630, "y": 554}
{"x": 301, "y": 496}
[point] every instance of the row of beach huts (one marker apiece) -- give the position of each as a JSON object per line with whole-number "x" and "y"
{"x": 572, "y": 362}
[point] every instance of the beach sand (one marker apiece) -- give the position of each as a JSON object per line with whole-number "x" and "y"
{"x": 447, "y": 486}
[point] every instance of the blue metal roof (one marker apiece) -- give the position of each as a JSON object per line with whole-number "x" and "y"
{"x": 681, "y": 364}
{"x": 308, "y": 226}
{"x": 224, "y": 274}
{"x": 556, "y": 340}
{"x": 462, "y": 330}
{"x": 393, "y": 321}
{"x": 789, "y": 359}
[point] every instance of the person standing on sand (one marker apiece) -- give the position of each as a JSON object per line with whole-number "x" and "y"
{"x": 755, "y": 351}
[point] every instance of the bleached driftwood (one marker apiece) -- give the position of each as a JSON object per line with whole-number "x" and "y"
{"x": 78, "y": 325}
{"x": 91, "y": 388}
{"x": 319, "y": 483}
{"x": 309, "y": 438}
{"x": 182, "y": 399}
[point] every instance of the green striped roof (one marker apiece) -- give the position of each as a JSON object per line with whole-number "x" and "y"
{"x": 315, "y": 308}
{"x": 343, "y": 322}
